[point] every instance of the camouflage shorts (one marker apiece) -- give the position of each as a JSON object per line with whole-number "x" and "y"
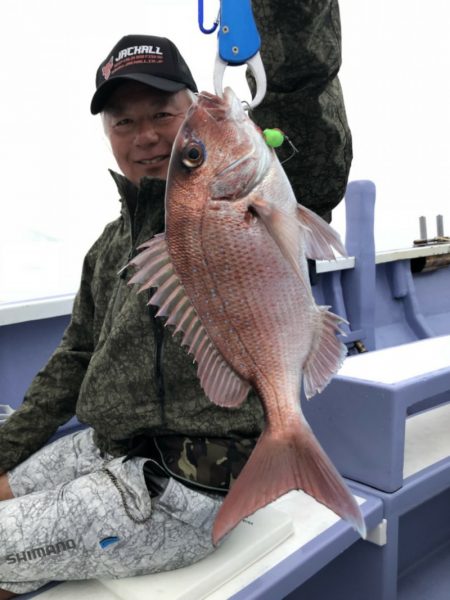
{"x": 92, "y": 517}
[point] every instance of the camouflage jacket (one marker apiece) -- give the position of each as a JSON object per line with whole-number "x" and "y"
{"x": 301, "y": 51}
{"x": 121, "y": 371}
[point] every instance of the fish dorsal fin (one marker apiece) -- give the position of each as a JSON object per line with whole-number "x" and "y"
{"x": 284, "y": 230}
{"x": 220, "y": 382}
{"x": 326, "y": 355}
{"x": 320, "y": 238}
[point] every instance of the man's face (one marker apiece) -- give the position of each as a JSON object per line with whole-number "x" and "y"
{"x": 141, "y": 123}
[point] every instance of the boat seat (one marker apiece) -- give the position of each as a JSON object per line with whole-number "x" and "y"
{"x": 361, "y": 418}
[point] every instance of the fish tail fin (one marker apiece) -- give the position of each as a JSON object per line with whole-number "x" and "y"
{"x": 276, "y": 466}
{"x": 326, "y": 355}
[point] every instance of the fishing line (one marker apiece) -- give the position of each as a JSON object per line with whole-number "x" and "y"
{"x": 275, "y": 138}
{"x": 294, "y": 149}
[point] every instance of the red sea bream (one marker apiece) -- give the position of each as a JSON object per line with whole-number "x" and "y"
{"x": 231, "y": 271}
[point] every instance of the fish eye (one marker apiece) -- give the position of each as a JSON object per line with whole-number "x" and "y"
{"x": 193, "y": 155}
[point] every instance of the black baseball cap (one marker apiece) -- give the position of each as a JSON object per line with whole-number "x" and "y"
{"x": 154, "y": 61}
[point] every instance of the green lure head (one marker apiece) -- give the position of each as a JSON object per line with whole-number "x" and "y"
{"x": 274, "y": 137}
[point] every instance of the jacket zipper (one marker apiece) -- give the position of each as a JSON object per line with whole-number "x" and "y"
{"x": 157, "y": 325}
{"x": 132, "y": 253}
{"x": 158, "y": 336}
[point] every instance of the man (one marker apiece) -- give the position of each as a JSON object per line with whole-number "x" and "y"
{"x": 137, "y": 491}
{"x": 92, "y": 514}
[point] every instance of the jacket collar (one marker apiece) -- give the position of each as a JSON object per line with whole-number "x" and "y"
{"x": 143, "y": 207}
{"x": 128, "y": 191}
{"x": 131, "y": 196}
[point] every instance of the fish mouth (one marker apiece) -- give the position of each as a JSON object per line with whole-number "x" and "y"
{"x": 208, "y": 98}
{"x": 219, "y": 108}
{"x": 213, "y": 106}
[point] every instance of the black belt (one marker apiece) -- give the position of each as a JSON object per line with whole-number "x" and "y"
{"x": 155, "y": 474}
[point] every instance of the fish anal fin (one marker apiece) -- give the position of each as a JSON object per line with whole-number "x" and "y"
{"x": 222, "y": 385}
{"x": 320, "y": 238}
{"x": 278, "y": 465}
{"x": 326, "y": 355}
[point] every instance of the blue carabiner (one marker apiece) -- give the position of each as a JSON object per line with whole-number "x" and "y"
{"x": 238, "y": 36}
{"x": 201, "y": 17}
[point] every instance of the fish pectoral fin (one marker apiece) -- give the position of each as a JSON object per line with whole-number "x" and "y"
{"x": 279, "y": 464}
{"x": 284, "y": 230}
{"x": 326, "y": 355}
{"x": 221, "y": 383}
{"x": 320, "y": 237}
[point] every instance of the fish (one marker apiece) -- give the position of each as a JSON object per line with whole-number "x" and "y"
{"x": 231, "y": 274}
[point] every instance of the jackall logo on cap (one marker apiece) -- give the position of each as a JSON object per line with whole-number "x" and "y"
{"x": 106, "y": 69}
{"x": 132, "y": 56}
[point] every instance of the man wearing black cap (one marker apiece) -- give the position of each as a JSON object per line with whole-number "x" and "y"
{"x": 94, "y": 514}
{"x": 143, "y": 90}
{"x": 151, "y": 60}
{"x": 137, "y": 490}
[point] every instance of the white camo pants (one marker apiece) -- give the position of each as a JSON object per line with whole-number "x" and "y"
{"x": 77, "y": 515}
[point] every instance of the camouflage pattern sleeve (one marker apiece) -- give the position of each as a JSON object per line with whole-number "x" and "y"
{"x": 51, "y": 399}
{"x": 301, "y": 52}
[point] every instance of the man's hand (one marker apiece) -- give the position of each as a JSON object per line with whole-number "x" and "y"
{"x": 5, "y": 490}
{"x": 5, "y": 412}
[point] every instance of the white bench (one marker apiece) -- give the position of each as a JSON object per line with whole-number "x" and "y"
{"x": 267, "y": 555}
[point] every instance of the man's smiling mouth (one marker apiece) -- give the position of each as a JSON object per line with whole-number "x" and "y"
{"x": 151, "y": 161}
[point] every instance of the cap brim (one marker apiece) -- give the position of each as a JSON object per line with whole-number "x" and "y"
{"x": 104, "y": 92}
